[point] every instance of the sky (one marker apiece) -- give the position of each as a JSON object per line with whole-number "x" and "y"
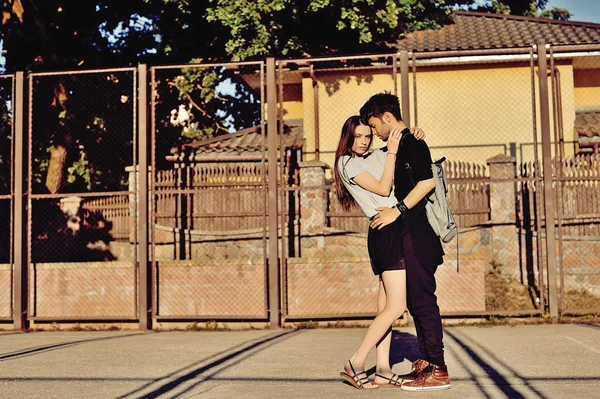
{"x": 583, "y": 10}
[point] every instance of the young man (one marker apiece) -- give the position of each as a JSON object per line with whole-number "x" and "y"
{"x": 413, "y": 180}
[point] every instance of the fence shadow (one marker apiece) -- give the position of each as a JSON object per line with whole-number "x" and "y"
{"x": 496, "y": 376}
{"x": 235, "y": 358}
{"x": 404, "y": 347}
{"x": 48, "y": 348}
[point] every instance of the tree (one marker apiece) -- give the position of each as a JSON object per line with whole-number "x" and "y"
{"x": 529, "y": 8}
{"x": 5, "y": 167}
{"x": 61, "y": 34}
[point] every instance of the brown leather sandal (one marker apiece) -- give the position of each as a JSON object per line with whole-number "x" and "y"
{"x": 394, "y": 382}
{"x": 355, "y": 380}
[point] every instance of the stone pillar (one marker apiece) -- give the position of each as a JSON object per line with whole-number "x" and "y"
{"x": 133, "y": 189}
{"x": 505, "y": 244}
{"x": 502, "y": 195}
{"x": 70, "y": 205}
{"x": 313, "y": 203}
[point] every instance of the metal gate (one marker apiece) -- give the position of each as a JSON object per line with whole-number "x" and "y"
{"x": 499, "y": 149}
{"x": 208, "y": 192}
{"x": 82, "y": 202}
{"x": 325, "y": 264}
{"x": 576, "y": 194}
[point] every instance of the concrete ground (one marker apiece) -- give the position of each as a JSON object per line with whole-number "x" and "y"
{"x": 542, "y": 361}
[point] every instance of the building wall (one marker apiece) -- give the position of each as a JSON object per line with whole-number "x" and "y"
{"x": 293, "y": 108}
{"x": 469, "y": 113}
{"x": 340, "y": 96}
{"x": 587, "y": 87}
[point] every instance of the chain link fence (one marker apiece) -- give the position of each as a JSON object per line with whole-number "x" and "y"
{"x": 82, "y": 199}
{"x": 483, "y": 119}
{"x": 480, "y": 119}
{"x": 209, "y": 194}
{"x": 6, "y": 194}
{"x": 326, "y": 266}
{"x": 209, "y": 191}
{"x": 578, "y": 191}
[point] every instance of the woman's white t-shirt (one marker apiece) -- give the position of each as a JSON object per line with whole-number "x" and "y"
{"x": 372, "y": 163}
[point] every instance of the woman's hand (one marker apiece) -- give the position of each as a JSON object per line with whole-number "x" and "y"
{"x": 394, "y": 140}
{"x": 418, "y": 132}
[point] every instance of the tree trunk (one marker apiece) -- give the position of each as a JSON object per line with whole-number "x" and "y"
{"x": 56, "y": 168}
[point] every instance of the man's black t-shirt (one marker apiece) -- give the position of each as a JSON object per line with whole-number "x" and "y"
{"x": 416, "y": 154}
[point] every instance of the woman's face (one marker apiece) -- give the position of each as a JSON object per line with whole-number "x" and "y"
{"x": 362, "y": 139}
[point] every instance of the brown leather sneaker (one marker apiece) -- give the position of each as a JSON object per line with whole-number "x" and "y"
{"x": 416, "y": 368}
{"x": 432, "y": 378}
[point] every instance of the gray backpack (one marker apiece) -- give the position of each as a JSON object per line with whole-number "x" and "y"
{"x": 437, "y": 208}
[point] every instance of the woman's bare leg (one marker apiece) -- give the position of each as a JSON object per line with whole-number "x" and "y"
{"x": 383, "y": 347}
{"x": 394, "y": 282}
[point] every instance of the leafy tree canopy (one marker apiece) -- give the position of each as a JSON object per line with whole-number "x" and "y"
{"x": 54, "y": 34}
{"x": 66, "y": 34}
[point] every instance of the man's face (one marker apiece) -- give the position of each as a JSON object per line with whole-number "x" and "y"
{"x": 362, "y": 139}
{"x": 380, "y": 127}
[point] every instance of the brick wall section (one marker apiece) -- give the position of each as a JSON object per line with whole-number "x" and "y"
{"x": 86, "y": 290}
{"x": 323, "y": 288}
{"x": 107, "y": 289}
{"x": 462, "y": 292}
{"x": 5, "y": 291}
{"x": 225, "y": 289}
{"x": 581, "y": 262}
{"x": 318, "y": 287}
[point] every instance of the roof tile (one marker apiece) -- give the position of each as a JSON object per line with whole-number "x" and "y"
{"x": 244, "y": 142}
{"x": 476, "y": 30}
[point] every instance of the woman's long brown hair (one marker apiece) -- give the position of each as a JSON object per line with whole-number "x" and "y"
{"x": 345, "y": 148}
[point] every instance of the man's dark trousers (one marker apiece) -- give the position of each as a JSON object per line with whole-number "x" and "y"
{"x": 422, "y": 304}
{"x": 422, "y": 248}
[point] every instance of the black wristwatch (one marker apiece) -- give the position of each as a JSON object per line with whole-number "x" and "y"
{"x": 402, "y": 207}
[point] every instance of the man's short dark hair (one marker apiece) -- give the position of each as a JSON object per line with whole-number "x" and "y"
{"x": 378, "y": 104}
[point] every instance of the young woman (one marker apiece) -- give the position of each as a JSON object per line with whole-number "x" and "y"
{"x": 366, "y": 179}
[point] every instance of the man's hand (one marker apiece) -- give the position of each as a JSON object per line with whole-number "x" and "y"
{"x": 418, "y": 132}
{"x": 384, "y": 217}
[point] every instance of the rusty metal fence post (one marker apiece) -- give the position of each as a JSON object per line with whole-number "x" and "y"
{"x": 273, "y": 260}
{"x": 144, "y": 286}
{"x": 405, "y": 98}
{"x": 547, "y": 172}
{"x": 19, "y": 260}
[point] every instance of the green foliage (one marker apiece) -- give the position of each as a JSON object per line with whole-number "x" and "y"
{"x": 80, "y": 170}
{"x": 70, "y": 33}
{"x": 94, "y": 124}
{"x": 529, "y": 8}
{"x": 322, "y": 27}
{"x": 561, "y": 14}
{"x": 5, "y": 135}
{"x": 60, "y": 34}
